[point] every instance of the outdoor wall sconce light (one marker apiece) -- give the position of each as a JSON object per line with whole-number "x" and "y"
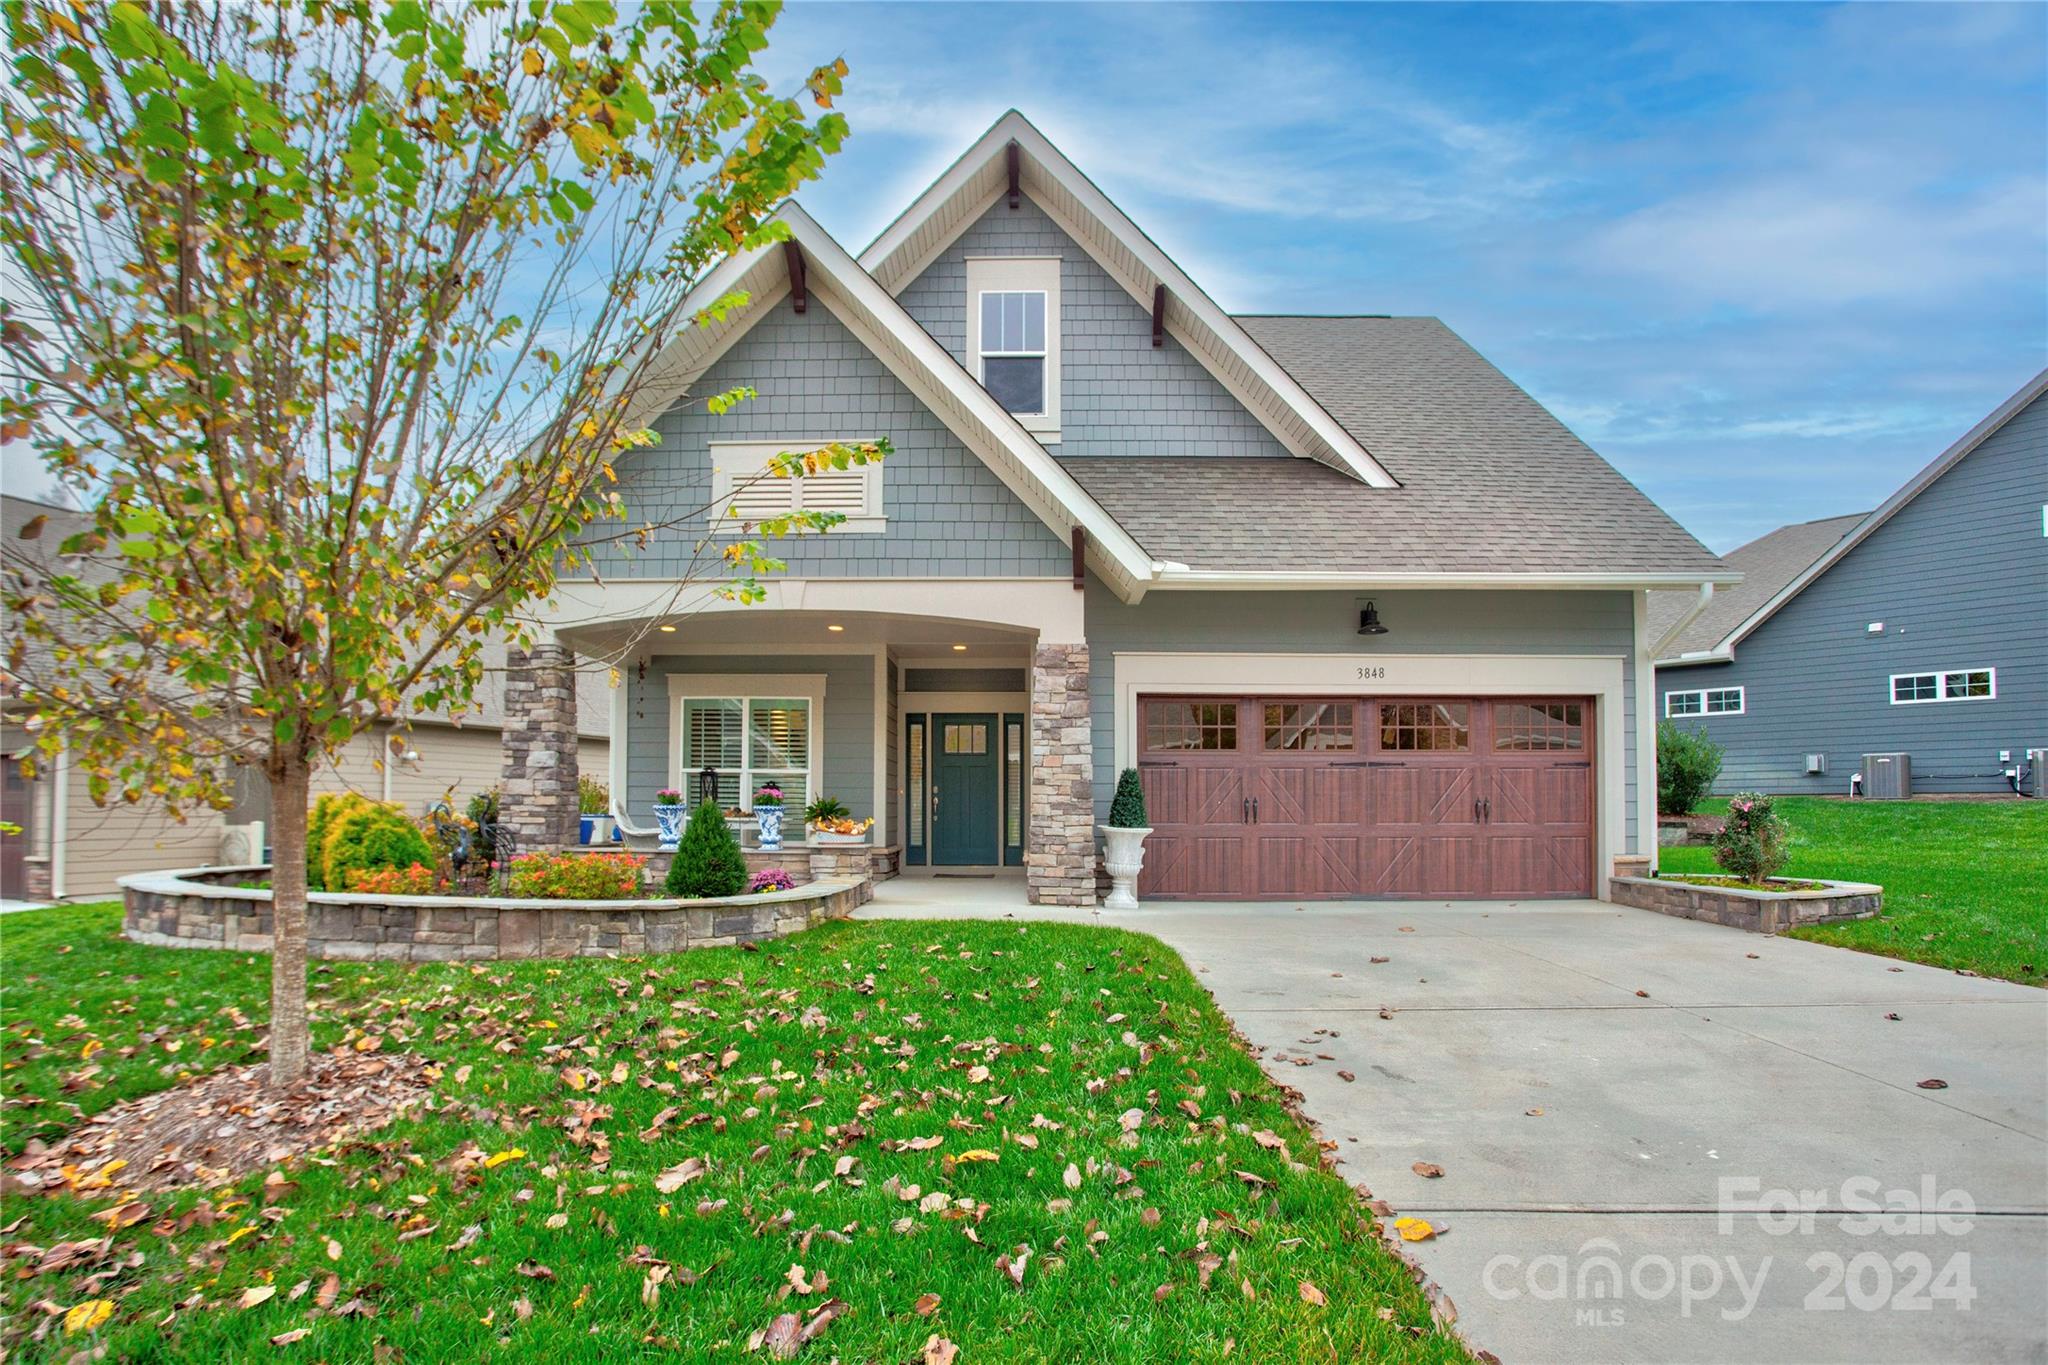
{"x": 1369, "y": 621}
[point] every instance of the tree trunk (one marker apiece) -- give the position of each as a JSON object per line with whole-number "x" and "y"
{"x": 289, "y": 1039}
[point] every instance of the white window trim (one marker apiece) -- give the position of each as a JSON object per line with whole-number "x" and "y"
{"x": 738, "y": 460}
{"x": 1741, "y": 703}
{"x": 746, "y": 688}
{"x": 1009, "y": 274}
{"x": 1941, "y": 676}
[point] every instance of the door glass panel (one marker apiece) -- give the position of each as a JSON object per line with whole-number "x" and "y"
{"x": 1426, "y": 727}
{"x": 1539, "y": 727}
{"x": 916, "y": 779}
{"x": 1190, "y": 725}
{"x": 1311, "y": 726}
{"x": 1013, "y": 784}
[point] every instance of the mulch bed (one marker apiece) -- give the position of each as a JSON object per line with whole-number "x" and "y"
{"x": 222, "y": 1126}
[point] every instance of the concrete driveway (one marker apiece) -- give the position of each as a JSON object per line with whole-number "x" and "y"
{"x": 1612, "y": 1094}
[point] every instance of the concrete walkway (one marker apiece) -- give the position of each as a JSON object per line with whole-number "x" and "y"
{"x": 1679, "y": 1074}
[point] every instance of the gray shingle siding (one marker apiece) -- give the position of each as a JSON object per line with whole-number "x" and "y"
{"x": 948, "y": 514}
{"x": 849, "y": 720}
{"x": 1959, "y": 576}
{"x": 1593, "y": 623}
{"x": 1118, "y": 395}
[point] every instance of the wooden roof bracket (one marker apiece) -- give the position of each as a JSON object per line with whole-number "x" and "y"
{"x": 1080, "y": 560}
{"x": 1013, "y": 158}
{"x": 793, "y": 257}
{"x": 1158, "y": 315}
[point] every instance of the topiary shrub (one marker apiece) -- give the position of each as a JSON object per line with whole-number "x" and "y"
{"x": 372, "y": 836}
{"x": 708, "y": 861}
{"x": 326, "y": 811}
{"x": 1687, "y": 764}
{"x": 1756, "y": 842}
{"x": 1127, "y": 807}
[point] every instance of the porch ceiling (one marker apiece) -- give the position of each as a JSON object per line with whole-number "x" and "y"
{"x": 793, "y": 631}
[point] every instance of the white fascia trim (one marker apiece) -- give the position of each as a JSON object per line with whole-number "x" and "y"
{"x": 1185, "y": 292}
{"x": 1890, "y": 508}
{"x": 1207, "y": 578}
{"x": 843, "y": 273}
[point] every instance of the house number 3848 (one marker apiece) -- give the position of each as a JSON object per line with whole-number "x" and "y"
{"x": 1372, "y": 674}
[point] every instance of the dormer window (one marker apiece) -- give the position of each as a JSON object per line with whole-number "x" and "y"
{"x": 1013, "y": 336}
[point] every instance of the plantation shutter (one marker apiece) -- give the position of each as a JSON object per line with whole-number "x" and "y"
{"x": 713, "y": 738}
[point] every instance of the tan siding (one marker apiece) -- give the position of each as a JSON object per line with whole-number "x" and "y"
{"x": 102, "y": 845}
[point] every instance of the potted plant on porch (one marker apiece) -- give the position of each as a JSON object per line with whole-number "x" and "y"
{"x": 668, "y": 816}
{"x": 830, "y": 822}
{"x": 768, "y": 815}
{"x": 1124, "y": 841}
{"x": 594, "y": 799}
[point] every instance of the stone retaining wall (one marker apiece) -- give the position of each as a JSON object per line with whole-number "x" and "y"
{"x": 203, "y": 909}
{"x": 1760, "y": 912}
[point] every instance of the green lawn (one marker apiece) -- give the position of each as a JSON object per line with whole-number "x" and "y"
{"x": 1965, "y": 882}
{"x": 849, "y": 1041}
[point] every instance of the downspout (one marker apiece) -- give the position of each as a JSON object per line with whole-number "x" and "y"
{"x": 60, "y": 822}
{"x": 385, "y": 760}
{"x": 616, "y": 760}
{"x": 1692, "y": 614}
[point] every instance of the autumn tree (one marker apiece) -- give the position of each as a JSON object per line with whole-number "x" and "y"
{"x": 335, "y": 314}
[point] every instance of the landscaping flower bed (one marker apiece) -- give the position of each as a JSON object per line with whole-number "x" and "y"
{"x": 1788, "y": 903}
{"x": 206, "y": 908}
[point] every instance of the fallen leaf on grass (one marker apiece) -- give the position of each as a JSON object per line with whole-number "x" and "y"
{"x": 1270, "y": 1140}
{"x": 87, "y": 1316}
{"x": 1311, "y": 1294}
{"x": 679, "y": 1175}
{"x": 333, "y": 1250}
{"x": 497, "y": 1159}
{"x": 1071, "y": 1177}
{"x": 255, "y": 1294}
{"x": 287, "y": 1338}
{"x": 1428, "y": 1170}
{"x": 1014, "y": 1262}
{"x": 926, "y": 1305}
{"x": 939, "y": 1351}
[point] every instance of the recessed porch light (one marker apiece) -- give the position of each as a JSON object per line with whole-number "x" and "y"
{"x": 835, "y": 629}
{"x": 667, "y": 629}
{"x": 959, "y": 649}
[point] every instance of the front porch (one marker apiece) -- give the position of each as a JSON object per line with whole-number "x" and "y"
{"x": 953, "y": 716}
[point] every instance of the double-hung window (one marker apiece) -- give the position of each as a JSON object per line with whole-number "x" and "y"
{"x": 1961, "y": 684}
{"x": 1013, "y": 336}
{"x": 750, "y": 731}
{"x": 1709, "y": 701}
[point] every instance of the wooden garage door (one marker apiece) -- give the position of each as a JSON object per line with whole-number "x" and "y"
{"x": 1279, "y": 798}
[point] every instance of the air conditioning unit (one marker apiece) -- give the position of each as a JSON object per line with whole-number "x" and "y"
{"x": 1816, "y": 764}
{"x": 2037, "y": 780}
{"x": 1888, "y": 777}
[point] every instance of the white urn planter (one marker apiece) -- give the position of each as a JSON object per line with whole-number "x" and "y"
{"x": 1124, "y": 855}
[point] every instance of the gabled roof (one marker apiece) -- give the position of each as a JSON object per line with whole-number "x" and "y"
{"x": 1492, "y": 487}
{"x": 981, "y": 176}
{"x": 910, "y": 353}
{"x": 1723, "y": 647}
{"x": 1767, "y": 563}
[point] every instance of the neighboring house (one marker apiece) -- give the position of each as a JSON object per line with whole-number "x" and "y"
{"x": 1920, "y": 628}
{"x": 72, "y": 848}
{"x": 1124, "y": 528}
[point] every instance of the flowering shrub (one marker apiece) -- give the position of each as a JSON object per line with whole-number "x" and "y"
{"x": 668, "y": 796}
{"x": 578, "y": 876}
{"x": 769, "y": 795}
{"x": 771, "y": 879}
{"x": 416, "y": 880}
{"x": 1755, "y": 843}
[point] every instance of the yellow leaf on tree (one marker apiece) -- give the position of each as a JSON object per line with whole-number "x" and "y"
{"x": 497, "y": 1159}
{"x": 87, "y": 1316}
{"x": 1413, "y": 1229}
{"x": 534, "y": 64}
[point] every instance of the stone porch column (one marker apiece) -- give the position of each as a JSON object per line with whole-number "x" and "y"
{"x": 1059, "y": 855}
{"x": 537, "y": 793}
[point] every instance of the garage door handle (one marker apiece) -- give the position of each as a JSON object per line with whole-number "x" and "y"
{"x": 1245, "y": 816}
{"x": 1255, "y": 810}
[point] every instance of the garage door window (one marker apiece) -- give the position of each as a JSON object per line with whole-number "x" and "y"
{"x": 1426, "y": 727}
{"x": 1189, "y": 726}
{"x": 1539, "y": 727}
{"x": 1315, "y": 726}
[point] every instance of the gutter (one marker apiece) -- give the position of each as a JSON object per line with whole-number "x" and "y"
{"x": 1185, "y": 578}
{"x": 1692, "y": 613}
{"x": 60, "y": 822}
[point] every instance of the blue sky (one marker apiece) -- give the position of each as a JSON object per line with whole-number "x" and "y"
{"x": 1769, "y": 260}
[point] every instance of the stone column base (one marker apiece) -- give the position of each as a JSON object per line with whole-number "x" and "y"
{"x": 538, "y": 799}
{"x": 1059, "y": 855}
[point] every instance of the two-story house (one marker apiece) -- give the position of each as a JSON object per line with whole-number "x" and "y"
{"x": 1918, "y": 629}
{"x": 1366, "y": 618}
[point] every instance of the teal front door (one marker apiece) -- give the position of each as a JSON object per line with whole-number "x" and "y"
{"x": 965, "y": 758}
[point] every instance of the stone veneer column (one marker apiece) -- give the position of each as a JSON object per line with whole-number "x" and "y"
{"x": 1059, "y": 856}
{"x": 538, "y": 799}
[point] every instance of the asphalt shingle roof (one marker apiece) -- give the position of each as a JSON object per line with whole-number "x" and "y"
{"x": 1490, "y": 481}
{"x": 1767, "y": 564}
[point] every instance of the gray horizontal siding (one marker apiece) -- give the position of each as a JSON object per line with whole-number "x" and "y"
{"x": 1959, "y": 577}
{"x": 1118, "y": 395}
{"x": 849, "y": 750}
{"x": 1592, "y": 623}
{"x": 948, "y": 514}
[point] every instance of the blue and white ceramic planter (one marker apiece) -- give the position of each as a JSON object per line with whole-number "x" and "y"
{"x": 769, "y": 818}
{"x": 670, "y": 820}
